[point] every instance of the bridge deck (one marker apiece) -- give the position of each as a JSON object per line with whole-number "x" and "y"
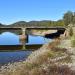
{"x": 32, "y": 27}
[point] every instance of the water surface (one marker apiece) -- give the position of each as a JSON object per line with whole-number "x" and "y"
{"x": 10, "y": 57}
{"x": 8, "y": 38}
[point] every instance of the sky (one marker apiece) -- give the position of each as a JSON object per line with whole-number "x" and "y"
{"x": 27, "y": 10}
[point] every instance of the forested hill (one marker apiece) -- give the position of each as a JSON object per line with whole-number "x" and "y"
{"x": 35, "y": 23}
{"x": 2, "y": 25}
{"x": 68, "y": 18}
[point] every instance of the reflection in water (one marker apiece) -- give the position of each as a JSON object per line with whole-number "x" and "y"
{"x": 8, "y": 38}
{"x": 12, "y": 39}
{"x": 38, "y": 40}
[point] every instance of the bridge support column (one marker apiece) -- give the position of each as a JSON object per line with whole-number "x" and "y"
{"x": 23, "y": 38}
{"x": 23, "y": 31}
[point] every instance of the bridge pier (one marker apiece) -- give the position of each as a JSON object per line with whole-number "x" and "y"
{"x": 23, "y": 38}
{"x": 23, "y": 31}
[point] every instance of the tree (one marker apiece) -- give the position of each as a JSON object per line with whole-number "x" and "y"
{"x": 71, "y": 31}
{"x": 68, "y": 18}
{"x": 60, "y": 23}
{"x": 74, "y": 18}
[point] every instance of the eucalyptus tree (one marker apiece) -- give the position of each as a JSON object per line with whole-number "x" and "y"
{"x": 74, "y": 18}
{"x": 68, "y": 18}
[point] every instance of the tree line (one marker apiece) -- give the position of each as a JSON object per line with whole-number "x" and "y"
{"x": 68, "y": 18}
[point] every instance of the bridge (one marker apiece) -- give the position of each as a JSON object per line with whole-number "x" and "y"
{"x": 30, "y": 30}
{"x": 34, "y": 31}
{"x": 27, "y": 30}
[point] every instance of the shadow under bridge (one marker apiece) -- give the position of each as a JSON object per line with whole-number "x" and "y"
{"x": 46, "y": 32}
{"x": 17, "y": 31}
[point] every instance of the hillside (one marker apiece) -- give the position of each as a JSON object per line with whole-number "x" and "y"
{"x": 35, "y": 23}
{"x": 1, "y": 25}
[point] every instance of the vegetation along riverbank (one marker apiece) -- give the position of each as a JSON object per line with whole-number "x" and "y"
{"x": 54, "y": 58}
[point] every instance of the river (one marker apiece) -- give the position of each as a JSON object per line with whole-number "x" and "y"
{"x": 8, "y": 38}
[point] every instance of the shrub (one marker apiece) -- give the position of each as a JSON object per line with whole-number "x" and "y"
{"x": 71, "y": 31}
{"x": 73, "y": 41}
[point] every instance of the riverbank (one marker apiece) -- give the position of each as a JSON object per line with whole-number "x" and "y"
{"x": 42, "y": 32}
{"x": 51, "y": 59}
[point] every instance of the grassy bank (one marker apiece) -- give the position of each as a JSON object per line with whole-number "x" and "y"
{"x": 48, "y": 60}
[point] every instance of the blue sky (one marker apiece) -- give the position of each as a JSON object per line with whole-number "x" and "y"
{"x": 28, "y": 10}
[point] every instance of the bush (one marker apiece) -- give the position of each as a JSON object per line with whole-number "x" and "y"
{"x": 73, "y": 41}
{"x": 71, "y": 31}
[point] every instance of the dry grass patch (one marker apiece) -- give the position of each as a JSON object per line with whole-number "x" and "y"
{"x": 60, "y": 70}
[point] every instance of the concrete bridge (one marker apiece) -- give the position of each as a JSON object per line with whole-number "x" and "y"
{"x": 26, "y": 30}
{"x": 34, "y": 31}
